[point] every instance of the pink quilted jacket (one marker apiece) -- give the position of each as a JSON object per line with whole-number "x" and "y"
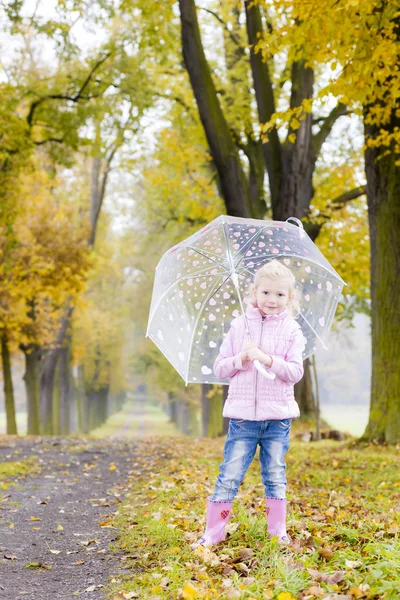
{"x": 251, "y": 396}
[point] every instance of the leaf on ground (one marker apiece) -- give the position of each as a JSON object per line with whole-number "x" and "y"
{"x": 325, "y": 552}
{"x": 60, "y": 527}
{"x": 35, "y": 518}
{"x": 92, "y": 588}
{"x": 285, "y": 596}
{"x": 189, "y": 592}
{"x": 10, "y": 556}
{"x": 353, "y": 564}
{"x": 334, "y": 578}
{"x": 242, "y": 568}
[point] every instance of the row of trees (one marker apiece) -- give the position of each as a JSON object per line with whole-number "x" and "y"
{"x": 64, "y": 124}
{"x": 261, "y": 118}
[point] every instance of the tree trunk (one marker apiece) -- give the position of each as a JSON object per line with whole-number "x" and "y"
{"x": 383, "y": 196}
{"x": 265, "y": 100}
{"x": 48, "y": 375}
{"x": 65, "y": 387}
{"x": 172, "y": 407}
{"x": 31, "y": 379}
{"x": 8, "y": 387}
{"x": 80, "y": 400}
{"x": 225, "y": 154}
{"x": 56, "y": 429}
{"x": 205, "y": 408}
{"x": 303, "y": 391}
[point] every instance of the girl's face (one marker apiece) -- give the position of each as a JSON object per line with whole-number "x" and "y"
{"x": 272, "y": 295}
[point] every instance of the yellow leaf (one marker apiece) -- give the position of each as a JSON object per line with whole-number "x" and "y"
{"x": 112, "y": 467}
{"x": 11, "y": 525}
{"x": 189, "y": 592}
{"x": 35, "y": 519}
{"x": 285, "y": 596}
{"x": 60, "y": 528}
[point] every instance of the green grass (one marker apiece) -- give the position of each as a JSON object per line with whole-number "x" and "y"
{"x": 343, "y": 517}
{"x": 9, "y": 471}
{"x": 152, "y": 422}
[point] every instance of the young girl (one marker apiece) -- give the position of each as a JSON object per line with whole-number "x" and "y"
{"x": 260, "y": 409}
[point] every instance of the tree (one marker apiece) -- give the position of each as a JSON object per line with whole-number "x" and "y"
{"x": 44, "y": 260}
{"x": 361, "y": 46}
{"x": 290, "y": 162}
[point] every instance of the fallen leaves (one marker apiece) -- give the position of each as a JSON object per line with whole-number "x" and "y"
{"x": 325, "y": 577}
{"x": 325, "y": 552}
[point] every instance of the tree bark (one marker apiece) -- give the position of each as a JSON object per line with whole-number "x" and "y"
{"x": 265, "y": 101}
{"x": 48, "y": 375}
{"x": 64, "y": 382}
{"x": 8, "y": 387}
{"x": 383, "y": 197}
{"x": 303, "y": 391}
{"x": 205, "y": 408}
{"x": 31, "y": 379}
{"x": 172, "y": 407}
{"x": 225, "y": 154}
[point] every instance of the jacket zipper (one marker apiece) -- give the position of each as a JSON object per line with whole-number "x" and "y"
{"x": 256, "y": 386}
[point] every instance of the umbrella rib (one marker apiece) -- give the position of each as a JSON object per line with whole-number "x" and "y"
{"x": 207, "y": 255}
{"x": 195, "y": 327}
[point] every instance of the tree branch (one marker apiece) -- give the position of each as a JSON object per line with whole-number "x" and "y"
{"x": 233, "y": 37}
{"x": 326, "y": 127}
{"x": 313, "y": 229}
{"x": 78, "y": 96}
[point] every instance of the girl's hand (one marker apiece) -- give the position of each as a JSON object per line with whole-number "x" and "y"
{"x": 257, "y": 354}
{"x": 247, "y": 346}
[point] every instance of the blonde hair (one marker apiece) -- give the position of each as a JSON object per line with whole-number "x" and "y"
{"x": 276, "y": 270}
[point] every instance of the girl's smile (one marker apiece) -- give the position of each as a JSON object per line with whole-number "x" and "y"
{"x": 272, "y": 295}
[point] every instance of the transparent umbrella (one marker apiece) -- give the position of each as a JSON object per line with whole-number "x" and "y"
{"x": 202, "y": 284}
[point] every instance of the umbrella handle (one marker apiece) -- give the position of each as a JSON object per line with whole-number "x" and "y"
{"x": 264, "y": 372}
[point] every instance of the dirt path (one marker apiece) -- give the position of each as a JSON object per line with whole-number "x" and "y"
{"x": 56, "y": 521}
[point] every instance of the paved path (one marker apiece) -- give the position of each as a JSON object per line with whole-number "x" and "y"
{"x": 60, "y": 519}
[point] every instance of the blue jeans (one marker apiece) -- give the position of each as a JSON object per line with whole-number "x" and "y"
{"x": 239, "y": 450}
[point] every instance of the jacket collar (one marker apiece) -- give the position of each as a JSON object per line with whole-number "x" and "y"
{"x": 254, "y": 314}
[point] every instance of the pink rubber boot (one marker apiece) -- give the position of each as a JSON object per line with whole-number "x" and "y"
{"x": 276, "y": 518}
{"x": 218, "y": 515}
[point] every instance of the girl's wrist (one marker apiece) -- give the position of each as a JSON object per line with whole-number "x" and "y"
{"x": 268, "y": 360}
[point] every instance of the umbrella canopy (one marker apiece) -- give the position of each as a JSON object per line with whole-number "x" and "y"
{"x": 200, "y": 285}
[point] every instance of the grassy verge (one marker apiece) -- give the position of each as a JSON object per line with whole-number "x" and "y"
{"x": 11, "y": 472}
{"x": 344, "y": 521}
